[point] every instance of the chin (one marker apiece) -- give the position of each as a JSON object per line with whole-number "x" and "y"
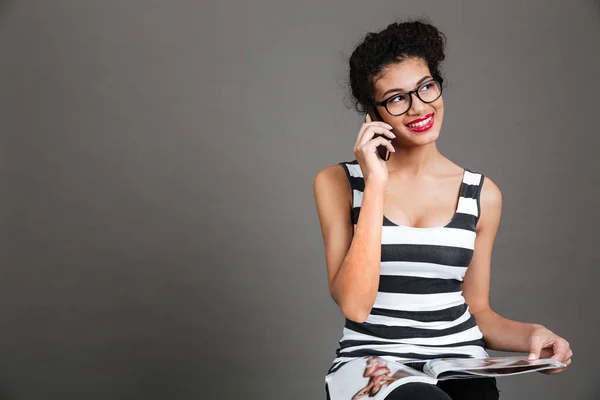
{"x": 430, "y": 137}
{"x": 427, "y": 140}
{"x": 423, "y": 138}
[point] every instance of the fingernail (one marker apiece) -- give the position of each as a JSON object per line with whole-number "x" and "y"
{"x": 532, "y": 356}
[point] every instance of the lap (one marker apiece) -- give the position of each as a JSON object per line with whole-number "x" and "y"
{"x": 417, "y": 391}
{"x": 470, "y": 389}
{"x": 452, "y": 389}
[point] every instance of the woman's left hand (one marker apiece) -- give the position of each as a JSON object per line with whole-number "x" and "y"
{"x": 546, "y": 344}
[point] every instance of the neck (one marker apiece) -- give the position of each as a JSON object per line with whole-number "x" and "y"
{"x": 414, "y": 161}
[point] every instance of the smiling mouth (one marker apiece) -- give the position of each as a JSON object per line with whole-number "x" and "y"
{"x": 421, "y": 122}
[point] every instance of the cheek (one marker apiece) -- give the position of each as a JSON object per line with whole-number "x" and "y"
{"x": 439, "y": 117}
{"x": 439, "y": 112}
{"x": 439, "y": 107}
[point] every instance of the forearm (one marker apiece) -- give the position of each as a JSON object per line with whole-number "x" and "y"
{"x": 355, "y": 285}
{"x": 504, "y": 334}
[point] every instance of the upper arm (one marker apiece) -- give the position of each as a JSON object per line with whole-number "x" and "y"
{"x": 476, "y": 286}
{"x": 333, "y": 201}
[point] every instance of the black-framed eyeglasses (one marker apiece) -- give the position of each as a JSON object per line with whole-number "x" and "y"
{"x": 399, "y": 103}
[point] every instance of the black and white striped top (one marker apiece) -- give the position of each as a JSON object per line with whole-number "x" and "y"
{"x": 419, "y": 312}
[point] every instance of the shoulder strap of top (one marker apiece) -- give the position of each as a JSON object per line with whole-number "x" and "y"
{"x": 357, "y": 186}
{"x": 468, "y": 202}
{"x": 467, "y": 212}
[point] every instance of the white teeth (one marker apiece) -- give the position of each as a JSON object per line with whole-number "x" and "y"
{"x": 422, "y": 123}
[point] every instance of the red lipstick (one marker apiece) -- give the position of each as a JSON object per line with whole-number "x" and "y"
{"x": 423, "y": 126}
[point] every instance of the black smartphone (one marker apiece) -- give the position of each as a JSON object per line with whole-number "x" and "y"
{"x": 383, "y": 151}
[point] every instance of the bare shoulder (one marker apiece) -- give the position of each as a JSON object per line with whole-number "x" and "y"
{"x": 333, "y": 199}
{"x": 491, "y": 205}
{"x": 330, "y": 172}
{"x": 331, "y": 182}
{"x": 491, "y": 195}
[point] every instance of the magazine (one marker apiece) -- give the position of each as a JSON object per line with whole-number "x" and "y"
{"x": 374, "y": 377}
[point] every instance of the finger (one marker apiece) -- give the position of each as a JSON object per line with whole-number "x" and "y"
{"x": 561, "y": 348}
{"x": 390, "y": 147}
{"x": 557, "y": 370}
{"x": 567, "y": 362}
{"x": 380, "y": 141}
{"x": 371, "y": 145}
{"x": 568, "y": 355}
{"x": 536, "y": 343}
{"x": 364, "y": 129}
{"x": 379, "y": 123}
{"x": 367, "y": 131}
{"x": 370, "y": 132}
{"x": 382, "y": 127}
{"x": 368, "y": 119}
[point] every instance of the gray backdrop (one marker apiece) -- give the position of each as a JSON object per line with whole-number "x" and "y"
{"x": 159, "y": 234}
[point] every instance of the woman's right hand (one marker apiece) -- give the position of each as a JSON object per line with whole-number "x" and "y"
{"x": 374, "y": 169}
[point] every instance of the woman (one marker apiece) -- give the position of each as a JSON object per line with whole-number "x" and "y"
{"x": 408, "y": 241}
{"x": 378, "y": 374}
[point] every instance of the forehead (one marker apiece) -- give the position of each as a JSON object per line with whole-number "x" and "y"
{"x": 402, "y": 75}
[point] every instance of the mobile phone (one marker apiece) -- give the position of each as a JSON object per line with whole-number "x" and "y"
{"x": 382, "y": 151}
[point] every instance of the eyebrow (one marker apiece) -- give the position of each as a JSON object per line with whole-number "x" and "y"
{"x": 423, "y": 79}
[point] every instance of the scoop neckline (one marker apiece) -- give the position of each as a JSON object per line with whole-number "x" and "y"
{"x": 395, "y": 225}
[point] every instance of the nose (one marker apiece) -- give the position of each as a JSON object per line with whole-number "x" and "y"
{"x": 417, "y": 107}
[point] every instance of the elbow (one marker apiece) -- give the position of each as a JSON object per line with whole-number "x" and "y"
{"x": 484, "y": 317}
{"x": 477, "y": 311}
{"x": 353, "y": 307}
{"x": 355, "y": 313}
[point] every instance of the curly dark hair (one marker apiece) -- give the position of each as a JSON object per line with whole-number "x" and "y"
{"x": 398, "y": 41}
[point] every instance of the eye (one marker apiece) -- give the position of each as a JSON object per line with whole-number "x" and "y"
{"x": 426, "y": 86}
{"x": 397, "y": 99}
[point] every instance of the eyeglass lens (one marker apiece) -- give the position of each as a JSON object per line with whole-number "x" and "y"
{"x": 427, "y": 92}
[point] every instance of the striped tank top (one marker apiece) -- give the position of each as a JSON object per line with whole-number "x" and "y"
{"x": 419, "y": 312}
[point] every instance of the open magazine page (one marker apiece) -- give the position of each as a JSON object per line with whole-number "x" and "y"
{"x": 453, "y": 368}
{"x": 371, "y": 377}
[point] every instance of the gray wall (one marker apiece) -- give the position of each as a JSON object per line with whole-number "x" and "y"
{"x": 159, "y": 236}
